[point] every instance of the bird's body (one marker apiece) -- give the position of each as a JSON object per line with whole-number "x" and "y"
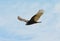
{"x": 34, "y": 19}
{"x": 30, "y": 22}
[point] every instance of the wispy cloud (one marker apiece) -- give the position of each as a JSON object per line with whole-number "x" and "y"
{"x": 13, "y": 30}
{"x": 57, "y": 8}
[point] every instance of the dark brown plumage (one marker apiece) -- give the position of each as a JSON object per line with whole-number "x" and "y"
{"x": 33, "y": 19}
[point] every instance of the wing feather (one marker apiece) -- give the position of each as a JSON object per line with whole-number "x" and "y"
{"x": 21, "y": 19}
{"x": 37, "y": 16}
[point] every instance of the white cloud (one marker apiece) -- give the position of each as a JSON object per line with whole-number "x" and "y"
{"x": 57, "y": 8}
{"x": 3, "y": 21}
{"x": 56, "y": 11}
{"x": 36, "y": 32}
{"x": 6, "y": 39}
{"x": 58, "y": 24}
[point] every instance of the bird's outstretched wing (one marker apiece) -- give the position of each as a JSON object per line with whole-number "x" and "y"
{"x": 21, "y": 19}
{"x": 37, "y": 16}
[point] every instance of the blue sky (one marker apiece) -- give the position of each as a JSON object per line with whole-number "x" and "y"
{"x": 13, "y": 30}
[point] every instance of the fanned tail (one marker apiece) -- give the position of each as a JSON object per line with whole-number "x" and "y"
{"x": 21, "y": 19}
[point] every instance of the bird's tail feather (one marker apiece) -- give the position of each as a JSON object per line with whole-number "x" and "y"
{"x": 21, "y": 19}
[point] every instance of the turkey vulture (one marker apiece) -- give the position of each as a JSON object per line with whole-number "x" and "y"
{"x": 33, "y": 19}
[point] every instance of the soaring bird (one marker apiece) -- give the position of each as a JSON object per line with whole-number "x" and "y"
{"x": 34, "y": 19}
